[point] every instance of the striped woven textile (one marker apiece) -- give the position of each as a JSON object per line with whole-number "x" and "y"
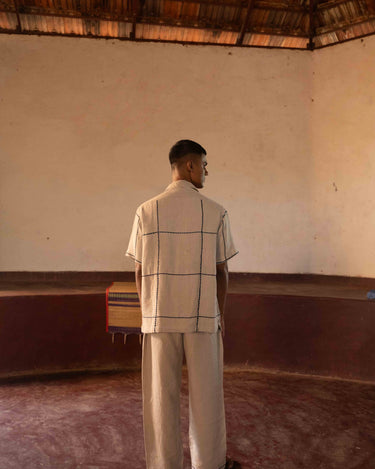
{"x": 123, "y": 309}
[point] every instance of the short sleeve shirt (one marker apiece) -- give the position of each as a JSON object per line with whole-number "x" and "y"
{"x": 179, "y": 236}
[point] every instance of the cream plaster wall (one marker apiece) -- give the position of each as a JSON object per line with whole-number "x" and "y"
{"x": 343, "y": 170}
{"x": 86, "y": 125}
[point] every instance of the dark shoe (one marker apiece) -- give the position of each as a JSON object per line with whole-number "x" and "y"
{"x": 230, "y": 464}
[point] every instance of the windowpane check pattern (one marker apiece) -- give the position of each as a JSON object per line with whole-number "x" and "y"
{"x": 179, "y": 236}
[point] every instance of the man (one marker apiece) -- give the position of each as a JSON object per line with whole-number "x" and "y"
{"x": 181, "y": 242}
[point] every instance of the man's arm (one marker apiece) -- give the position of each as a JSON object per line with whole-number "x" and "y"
{"x": 138, "y": 280}
{"x": 222, "y": 288}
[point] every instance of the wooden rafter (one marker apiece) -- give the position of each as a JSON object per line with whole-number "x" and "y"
{"x": 272, "y": 31}
{"x": 245, "y": 23}
{"x": 59, "y": 14}
{"x": 370, "y": 6}
{"x": 344, "y": 25}
{"x": 193, "y": 24}
{"x": 259, "y": 4}
{"x": 311, "y": 43}
{"x": 279, "y": 6}
{"x": 19, "y": 26}
{"x": 342, "y": 41}
{"x": 284, "y": 18}
{"x": 331, "y": 4}
{"x": 134, "y": 25}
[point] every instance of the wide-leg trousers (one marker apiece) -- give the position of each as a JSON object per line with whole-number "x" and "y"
{"x": 162, "y": 356}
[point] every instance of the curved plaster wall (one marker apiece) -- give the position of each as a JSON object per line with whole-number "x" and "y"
{"x": 86, "y": 126}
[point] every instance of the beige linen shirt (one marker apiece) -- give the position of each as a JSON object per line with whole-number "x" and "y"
{"x": 179, "y": 236}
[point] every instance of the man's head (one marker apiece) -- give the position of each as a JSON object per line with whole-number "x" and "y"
{"x": 188, "y": 161}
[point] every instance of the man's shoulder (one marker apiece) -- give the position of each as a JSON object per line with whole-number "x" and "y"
{"x": 212, "y": 204}
{"x": 150, "y": 203}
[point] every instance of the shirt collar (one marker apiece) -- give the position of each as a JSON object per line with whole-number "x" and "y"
{"x": 181, "y": 184}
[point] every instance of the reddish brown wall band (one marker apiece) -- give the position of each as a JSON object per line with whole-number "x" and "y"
{"x": 55, "y": 332}
{"x": 323, "y": 336}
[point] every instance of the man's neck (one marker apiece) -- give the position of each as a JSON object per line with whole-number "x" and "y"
{"x": 179, "y": 177}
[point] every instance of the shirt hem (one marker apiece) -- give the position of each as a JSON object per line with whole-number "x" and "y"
{"x": 133, "y": 257}
{"x": 227, "y": 258}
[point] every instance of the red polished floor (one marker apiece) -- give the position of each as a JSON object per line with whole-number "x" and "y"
{"x": 274, "y": 421}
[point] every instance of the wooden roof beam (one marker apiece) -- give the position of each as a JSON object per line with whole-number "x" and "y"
{"x": 343, "y": 25}
{"x": 270, "y": 31}
{"x": 137, "y": 5}
{"x": 245, "y": 23}
{"x": 229, "y": 27}
{"x": 185, "y": 23}
{"x": 68, "y": 13}
{"x": 332, "y": 4}
{"x": 311, "y": 44}
{"x": 19, "y": 26}
{"x": 134, "y": 25}
{"x": 370, "y": 6}
{"x": 41, "y": 12}
{"x": 137, "y": 9}
{"x": 279, "y": 6}
{"x": 226, "y": 27}
{"x": 259, "y": 4}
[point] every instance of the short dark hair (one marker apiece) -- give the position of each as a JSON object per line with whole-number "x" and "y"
{"x": 185, "y": 147}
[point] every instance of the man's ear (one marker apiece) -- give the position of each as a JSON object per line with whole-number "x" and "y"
{"x": 189, "y": 165}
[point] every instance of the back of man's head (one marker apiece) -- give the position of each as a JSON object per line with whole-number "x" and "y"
{"x": 183, "y": 148}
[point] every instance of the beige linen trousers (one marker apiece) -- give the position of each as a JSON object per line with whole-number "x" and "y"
{"x": 162, "y": 356}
